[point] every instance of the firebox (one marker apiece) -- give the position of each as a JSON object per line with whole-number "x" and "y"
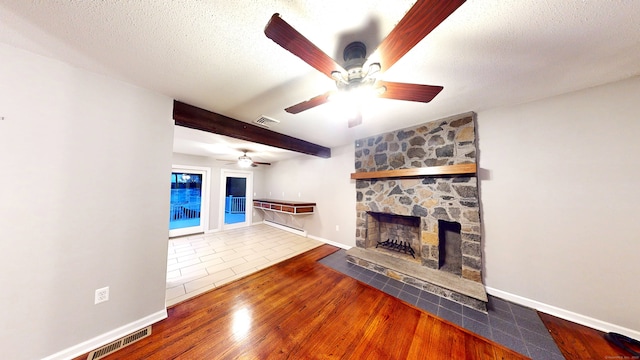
{"x": 398, "y": 235}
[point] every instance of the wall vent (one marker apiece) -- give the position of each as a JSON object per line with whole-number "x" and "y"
{"x": 266, "y": 121}
{"x": 119, "y": 344}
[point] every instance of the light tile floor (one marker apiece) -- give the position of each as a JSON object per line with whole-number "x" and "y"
{"x": 202, "y": 262}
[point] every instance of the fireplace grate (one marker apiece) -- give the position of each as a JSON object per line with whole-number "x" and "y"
{"x": 399, "y": 246}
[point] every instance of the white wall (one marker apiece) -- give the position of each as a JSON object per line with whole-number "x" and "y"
{"x": 560, "y": 206}
{"x": 84, "y": 191}
{"x": 325, "y": 182}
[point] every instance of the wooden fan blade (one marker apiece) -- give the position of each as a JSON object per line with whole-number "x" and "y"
{"x": 306, "y": 105}
{"x": 261, "y": 163}
{"x": 409, "y": 92}
{"x": 420, "y": 20}
{"x": 290, "y": 39}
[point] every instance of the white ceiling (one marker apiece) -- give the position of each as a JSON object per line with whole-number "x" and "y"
{"x": 214, "y": 55}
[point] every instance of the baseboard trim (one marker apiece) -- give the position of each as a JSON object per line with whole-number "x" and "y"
{"x": 564, "y": 314}
{"x": 108, "y": 337}
{"x": 334, "y": 243}
{"x": 286, "y": 228}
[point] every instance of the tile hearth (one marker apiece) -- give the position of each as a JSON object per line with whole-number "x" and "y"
{"x": 444, "y": 284}
{"x": 516, "y": 327}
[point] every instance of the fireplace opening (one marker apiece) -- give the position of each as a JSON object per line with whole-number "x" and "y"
{"x": 395, "y": 234}
{"x": 450, "y": 247}
{"x": 397, "y": 245}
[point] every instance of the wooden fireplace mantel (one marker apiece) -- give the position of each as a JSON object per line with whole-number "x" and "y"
{"x": 459, "y": 169}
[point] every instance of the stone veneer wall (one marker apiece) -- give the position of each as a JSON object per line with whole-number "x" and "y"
{"x": 452, "y": 198}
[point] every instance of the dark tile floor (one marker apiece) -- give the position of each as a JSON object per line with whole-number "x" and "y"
{"x": 514, "y": 326}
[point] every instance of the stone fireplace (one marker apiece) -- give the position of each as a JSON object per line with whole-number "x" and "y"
{"x": 436, "y": 214}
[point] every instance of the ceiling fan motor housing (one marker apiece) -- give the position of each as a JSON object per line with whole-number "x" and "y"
{"x": 355, "y": 50}
{"x": 354, "y": 56}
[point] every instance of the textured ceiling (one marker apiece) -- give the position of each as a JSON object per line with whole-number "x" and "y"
{"x": 214, "y": 54}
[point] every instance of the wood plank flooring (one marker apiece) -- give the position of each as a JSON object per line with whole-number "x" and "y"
{"x": 300, "y": 309}
{"x": 580, "y": 342}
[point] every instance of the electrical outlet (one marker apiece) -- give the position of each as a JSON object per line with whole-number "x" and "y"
{"x": 102, "y": 295}
{"x": 337, "y": 227}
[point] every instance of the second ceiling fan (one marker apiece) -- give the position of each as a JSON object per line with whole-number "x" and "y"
{"x": 244, "y": 161}
{"x": 420, "y": 20}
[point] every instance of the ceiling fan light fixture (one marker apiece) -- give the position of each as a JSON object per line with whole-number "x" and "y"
{"x": 374, "y": 68}
{"x": 348, "y": 103}
{"x": 339, "y": 78}
{"x": 344, "y": 107}
{"x": 244, "y": 161}
{"x": 356, "y": 77}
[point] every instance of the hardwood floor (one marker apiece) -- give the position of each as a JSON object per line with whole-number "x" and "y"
{"x": 580, "y": 342}
{"x": 300, "y": 309}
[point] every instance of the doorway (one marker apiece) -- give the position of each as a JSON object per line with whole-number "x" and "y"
{"x": 236, "y": 198}
{"x": 189, "y": 208}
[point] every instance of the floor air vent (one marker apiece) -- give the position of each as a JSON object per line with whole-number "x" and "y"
{"x": 266, "y": 121}
{"x": 119, "y": 344}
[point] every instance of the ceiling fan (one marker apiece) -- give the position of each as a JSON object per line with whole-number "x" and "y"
{"x": 245, "y": 161}
{"x": 420, "y": 20}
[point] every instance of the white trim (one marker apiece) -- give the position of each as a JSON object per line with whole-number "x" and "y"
{"x": 115, "y": 334}
{"x": 248, "y": 215}
{"x": 564, "y": 314}
{"x": 204, "y": 199}
{"x": 285, "y": 228}
{"x": 330, "y": 242}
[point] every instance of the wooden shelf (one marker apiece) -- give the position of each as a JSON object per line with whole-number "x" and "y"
{"x": 288, "y": 207}
{"x": 459, "y": 169}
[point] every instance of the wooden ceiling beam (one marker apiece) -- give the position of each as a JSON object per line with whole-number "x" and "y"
{"x": 196, "y": 118}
